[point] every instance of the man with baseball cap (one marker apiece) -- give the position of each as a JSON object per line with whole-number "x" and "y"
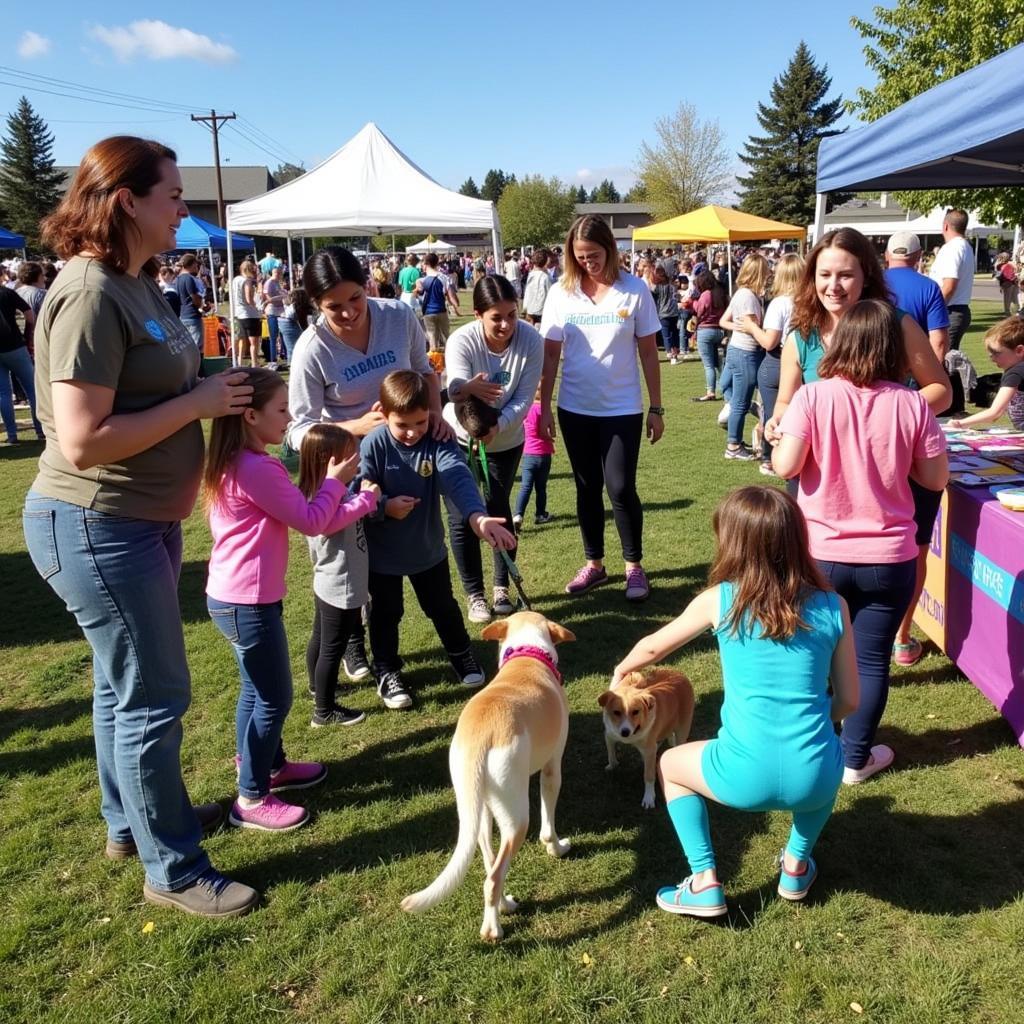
{"x": 914, "y": 293}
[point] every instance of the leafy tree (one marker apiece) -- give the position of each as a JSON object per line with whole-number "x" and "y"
{"x": 917, "y": 44}
{"x": 783, "y": 162}
{"x": 288, "y": 172}
{"x": 494, "y": 184}
{"x": 581, "y": 195}
{"x": 29, "y": 182}
{"x": 382, "y": 243}
{"x": 468, "y": 188}
{"x": 535, "y": 211}
{"x": 636, "y": 194}
{"x": 606, "y": 192}
{"x": 688, "y": 166}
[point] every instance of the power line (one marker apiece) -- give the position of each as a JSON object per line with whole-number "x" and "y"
{"x": 256, "y": 143}
{"x": 259, "y": 132}
{"x": 85, "y": 99}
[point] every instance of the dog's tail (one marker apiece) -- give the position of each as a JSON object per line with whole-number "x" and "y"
{"x": 467, "y": 770}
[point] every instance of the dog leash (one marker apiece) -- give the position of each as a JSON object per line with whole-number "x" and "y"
{"x": 481, "y": 473}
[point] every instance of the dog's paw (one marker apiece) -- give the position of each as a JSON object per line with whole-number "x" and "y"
{"x": 648, "y": 802}
{"x": 611, "y": 766}
{"x": 557, "y": 847}
{"x": 492, "y": 933}
{"x": 508, "y": 905}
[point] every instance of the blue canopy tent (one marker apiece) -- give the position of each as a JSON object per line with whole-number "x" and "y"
{"x": 9, "y": 240}
{"x": 196, "y": 233}
{"x": 966, "y": 132}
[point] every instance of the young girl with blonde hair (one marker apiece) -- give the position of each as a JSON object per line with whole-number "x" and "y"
{"x": 788, "y": 672}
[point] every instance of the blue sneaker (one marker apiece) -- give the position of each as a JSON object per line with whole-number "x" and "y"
{"x": 681, "y": 899}
{"x": 796, "y": 887}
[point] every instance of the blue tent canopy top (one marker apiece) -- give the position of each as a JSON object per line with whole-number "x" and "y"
{"x": 966, "y": 132}
{"x": 9, "y": 240}
{"x": 196, "y": 233}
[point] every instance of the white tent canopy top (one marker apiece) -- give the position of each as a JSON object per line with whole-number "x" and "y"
{"x": 438, "y": 245}
{"x": 926, "y": 224}
{"x": 368, "y": 187}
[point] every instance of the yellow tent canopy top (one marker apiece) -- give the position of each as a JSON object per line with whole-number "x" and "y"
{"x": 716, "y": 224}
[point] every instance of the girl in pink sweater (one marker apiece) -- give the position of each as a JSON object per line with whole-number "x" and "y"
{"x": 251, "y": 502}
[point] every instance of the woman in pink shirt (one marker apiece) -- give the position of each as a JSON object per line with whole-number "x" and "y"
{"x": 251, "y": 503}
{"x": 856, "y": 438}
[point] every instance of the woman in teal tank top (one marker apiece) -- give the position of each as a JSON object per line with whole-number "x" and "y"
{"x": 783, "y": 637}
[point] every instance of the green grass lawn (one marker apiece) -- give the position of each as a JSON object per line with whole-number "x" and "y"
{"x": 918, "y": 914}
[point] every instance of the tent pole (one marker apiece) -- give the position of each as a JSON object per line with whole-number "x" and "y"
{"x": 213, "y": 278}
{"x": 291, "y": 262}
{"x": 728, "y": 257}
{"x": 231, "y": 301}
{"x": 819, "y": 216}
{"x": 632, "y": 255}
{"x": 303, "y": 250}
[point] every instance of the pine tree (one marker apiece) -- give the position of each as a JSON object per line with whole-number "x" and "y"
{"x": 494, "y": 184}
{"x": 581, "y": 195}
{"x": 783, "y": 161}
{"x": 29, "y": 183}
{"x": 606, "y": 192}
{"x": 468, "y": 188}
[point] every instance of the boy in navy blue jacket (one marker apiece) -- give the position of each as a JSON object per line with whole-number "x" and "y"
{"x": 406, "y": 537}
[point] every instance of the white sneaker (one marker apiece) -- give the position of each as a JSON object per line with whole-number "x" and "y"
{"x": 477, "y": 609}
{"x": 880, "y": 759}
{"x": 674, "y": 361}
{"x": 723, "y": 415}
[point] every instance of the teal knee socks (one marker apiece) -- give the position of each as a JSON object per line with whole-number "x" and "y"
{"x": 689, "y": 816}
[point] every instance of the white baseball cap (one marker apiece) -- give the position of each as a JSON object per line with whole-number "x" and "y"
{"x": 903, "y": 243}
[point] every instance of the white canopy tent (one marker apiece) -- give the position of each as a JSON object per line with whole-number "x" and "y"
{"x": 428, "y": 246}
{"x": 368, "y": 187}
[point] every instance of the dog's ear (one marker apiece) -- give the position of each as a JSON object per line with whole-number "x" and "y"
{"x": 648, "y": 701}
{"x": 495, "y": 630}
{"x": 559, "y": 634}
{"x": 605, "y": 697}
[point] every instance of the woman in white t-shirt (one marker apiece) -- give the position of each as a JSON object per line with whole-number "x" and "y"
{"x": 771, "y": 337}
{"x": 744, "y": 354}
{"x": 602, "y": 320}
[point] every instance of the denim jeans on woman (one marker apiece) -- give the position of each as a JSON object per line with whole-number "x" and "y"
{"x": 878, "y": 596}
{"x": 256, "y": 634}
{"x": 19, "y": 363}
{"x": 708, "y": 341}
{"x": 768, "y": 386}
{"x": 119, "y": 578}
{"x": 744, "y": 365}
{"x": 290, "y": 332}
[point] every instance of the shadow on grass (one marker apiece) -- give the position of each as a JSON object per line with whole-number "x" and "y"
{"x": 46, "y": 716}
{"x": 24, "y": 449}
{"x": 192, "y": 591}
{"x": 43, "y": 757}
{"x": 41, "y": 760}
{"x": 33, "y": 614}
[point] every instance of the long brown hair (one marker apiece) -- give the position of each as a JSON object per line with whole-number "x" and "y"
{"x": 589, "y": 228}
{"x": 228, "y": 435}
{"x": 90, "y": 217}
{"x": 321, "y": 443}
{"x": 867, "y": 345}
{"x": 808, "y": 312}
{"x": 764, "y": 553}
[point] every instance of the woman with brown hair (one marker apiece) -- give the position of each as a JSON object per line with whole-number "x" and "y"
{"x": 121, "y": 404}
{"x": 605, "y": 321}
{"x": 247, "y": 314}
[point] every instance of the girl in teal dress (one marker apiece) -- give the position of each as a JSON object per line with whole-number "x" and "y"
{"x": 784, "y": 636}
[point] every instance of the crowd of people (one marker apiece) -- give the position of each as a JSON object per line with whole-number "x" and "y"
{"x": 806, "y": 595}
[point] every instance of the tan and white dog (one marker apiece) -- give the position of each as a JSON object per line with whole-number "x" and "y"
{"x": 515, "y": 726}
{"x": 644, "y": 709}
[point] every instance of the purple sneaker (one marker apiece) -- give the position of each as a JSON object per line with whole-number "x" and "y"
{"x": 637, "y": 587}
{"x": 586, "y": 579}
{"x": 291, "y": 775}
{"x": 271, "y": 815}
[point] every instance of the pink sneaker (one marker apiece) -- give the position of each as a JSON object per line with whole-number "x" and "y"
{"x": 292, "y": 775}
{"x": 637, "y": 587}
{"x": 272, "y": 815}
{"x": 586, "y": 579}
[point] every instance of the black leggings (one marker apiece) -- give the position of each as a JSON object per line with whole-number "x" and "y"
{"x": 334, "y": 629}
{"x": 501, "y": 471}
{"x": 603, "y": 452}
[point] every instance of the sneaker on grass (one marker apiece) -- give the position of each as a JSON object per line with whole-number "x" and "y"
{"x": 269, "y": 815}
{"x": 354, "y": 662}
{"x": 794, "y": 887}
{"x": 543, "y": 517}
{"x": 210, "y": 895}
{"x": 586, "y": 579}
{"x": 210, "y": 818}
{"x": 503, "y": 604}
{"x": 683, "y": 899}
{"x": 338, "y": 715}
{"x": 637, "y": 587}
{"x": 392, "y": 691}
{"x": 297, "y": 775}
{"x": 477, "y": 609}
{"x": 467, "y": 668}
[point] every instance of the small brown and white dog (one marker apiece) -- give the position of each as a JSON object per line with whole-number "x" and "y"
{"x": 514, "y": 727}
{"x": 644, "y": 709}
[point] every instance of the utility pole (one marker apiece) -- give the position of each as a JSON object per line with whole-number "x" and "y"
{"x": 215, "y": 121}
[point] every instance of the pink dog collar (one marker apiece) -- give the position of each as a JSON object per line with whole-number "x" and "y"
{"x": 537, "y": 653}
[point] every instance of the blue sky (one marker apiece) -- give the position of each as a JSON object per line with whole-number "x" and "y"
{"x": 558, "y": 89}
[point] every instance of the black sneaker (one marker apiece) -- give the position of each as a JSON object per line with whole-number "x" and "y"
{"x": 543, "y": 517}
{"x": 338, "y": 715}
{"x": 392, "y": 691}
{"x": 354, "y": 662}
{"x": 467, "y": 668}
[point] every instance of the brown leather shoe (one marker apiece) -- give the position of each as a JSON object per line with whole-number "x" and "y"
{"x": 210, "y": 895}
{"x": 210, "y": 816}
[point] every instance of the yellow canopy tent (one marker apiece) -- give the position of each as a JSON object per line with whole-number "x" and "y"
{"x": 716, "y": 224}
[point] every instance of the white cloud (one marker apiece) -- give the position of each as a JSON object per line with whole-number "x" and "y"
{"x": 159, "y": 41}
{"x": 584, "y": 174}
{"x": 32, "y": 44}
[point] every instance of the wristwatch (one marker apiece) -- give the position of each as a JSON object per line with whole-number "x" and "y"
{"x": 657, "y": 410}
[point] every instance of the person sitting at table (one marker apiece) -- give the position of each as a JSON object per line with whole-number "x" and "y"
{"x": 1004, "y": 344}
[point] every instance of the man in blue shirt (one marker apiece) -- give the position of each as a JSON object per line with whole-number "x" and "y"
{"x": 914, "y": 293}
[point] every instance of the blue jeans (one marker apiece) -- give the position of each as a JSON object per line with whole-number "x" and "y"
{"x": 119, "y": 578}
{"x": 708, "y": 340}
{"x": 536, "y": 469}
{"x": 195, "y": 328}
{"x": 274, "y": 333}
{"x": 670, "y": 333}
{"x": 768, "y": 386}
{"x": 878, "y": 596}
{"x": 744, "y": 366}
{"x": 19, "y": 363}
{"x": 256, "y": 633}
{"x": 290, "y": 331}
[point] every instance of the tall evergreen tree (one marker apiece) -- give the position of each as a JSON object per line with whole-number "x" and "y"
{"x": 783, "y": 161}
{"x": 581, "y": 195}
{"x": 606, "y": 192}
{"x": 494, "y": 184}
{"x": 29, "y": 183}
{"x": 468, "y": 188}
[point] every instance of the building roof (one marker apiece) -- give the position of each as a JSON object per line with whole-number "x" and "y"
{"x": 240, "y": 182}
{"x": 623, "y": 208}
